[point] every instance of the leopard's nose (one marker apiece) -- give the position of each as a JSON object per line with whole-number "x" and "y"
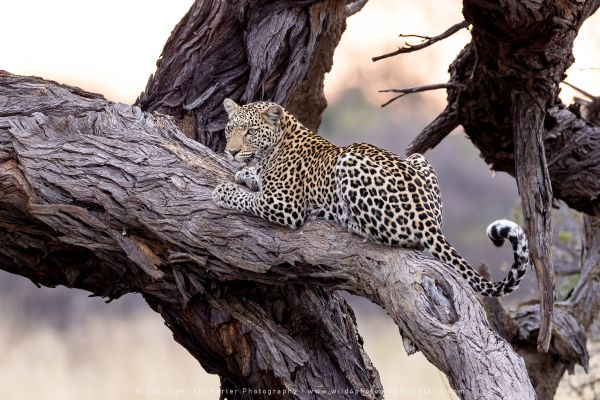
{"x": 232, "y": 153}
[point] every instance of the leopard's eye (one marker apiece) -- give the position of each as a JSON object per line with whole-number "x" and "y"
{"x": 252, "y": 131}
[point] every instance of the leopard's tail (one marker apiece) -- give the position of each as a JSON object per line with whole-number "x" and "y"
{"x": 497, "y": 231}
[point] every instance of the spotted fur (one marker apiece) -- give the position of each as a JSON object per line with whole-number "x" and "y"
{"x": 295, "y": 175}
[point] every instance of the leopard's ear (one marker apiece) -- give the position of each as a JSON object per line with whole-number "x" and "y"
{"x": 273, "y": 113}
{"x": 230, "y": 106}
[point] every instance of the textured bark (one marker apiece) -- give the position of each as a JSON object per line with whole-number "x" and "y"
{"x": 253, "y": 336}
{"x": 81, "y": 205}
{"x": 572, "y": 319}
{"x": 107, "y": 198}
{"x": 281, "y": 51}
{"x": 535, "y": 189}
{"x": 504, "y": 92}
{"x": 523, "y": 45}
{"x": 248, "y": 51}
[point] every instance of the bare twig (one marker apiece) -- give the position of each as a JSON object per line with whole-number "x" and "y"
{"x": 355, "y": 7}
{"x": 583, "y": 92}
{"x": 415, "y": 36}
{"x": 567, "y": 271}
{"x": 415, "y": 89}
{"x": 428, "y": 41}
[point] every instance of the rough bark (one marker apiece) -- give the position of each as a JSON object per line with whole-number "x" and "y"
{"x": 256, "y": 317}
{"x": 504, "y": 92}
{"x": 573, "y": 318}
{"x": 243, "y": 332}
{"x": 520, "y": 51}
{"x": 248, "y": 51}
{"x": 525, "y": 45}
{"x": 535, "y": 189}
{"x": 281, "y": 51}
{"x": 109, "y": 199}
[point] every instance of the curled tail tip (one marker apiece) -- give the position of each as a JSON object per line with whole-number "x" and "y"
{"x": 503, "y": 229}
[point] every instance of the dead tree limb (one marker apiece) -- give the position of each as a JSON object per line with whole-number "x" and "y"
{"x": 511, "y": 71}
{"x": 526, "y": 47}
{"x": 107, "y": 198}
{"x": 535, "y": 189}
{"x": 410, "y": 90}
{"x": 488, "y": 70}
{"x": 427, "y": 41}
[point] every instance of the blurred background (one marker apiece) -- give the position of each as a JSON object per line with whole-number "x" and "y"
{"x": 60, "y": 344}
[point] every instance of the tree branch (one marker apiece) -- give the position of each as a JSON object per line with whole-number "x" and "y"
{"x": 267, "y": 39}
{"x": 533, "y": 181}
{"x": 428, "y": 41}
{"x": 526, "y": 47}
{"x": 572, "y": 145}
{"x": 104, "y": 197}
{"x": 57, "y": 229}
{"x": 416, "y": 89}
{"x": 355, "y": 6}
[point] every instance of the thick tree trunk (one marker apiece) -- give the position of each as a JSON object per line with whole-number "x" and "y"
{"x": 504, "y": 92}
{"x": 248, "y": 51}
{"x": 527, "y": 46}
{"x": 255, "y": 51}
{"x": 106, "y": 198}
{"x": 112, "y": 200}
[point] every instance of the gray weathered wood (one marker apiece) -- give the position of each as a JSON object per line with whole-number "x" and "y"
{"x": 242, "y": 331}
{"x": 572, "y": 319}
{"x": 117, "y": 200}
{"x": 535, "y": 188}
{"x": 503, "y": 90}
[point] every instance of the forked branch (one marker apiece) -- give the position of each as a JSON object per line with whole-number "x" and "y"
{"x": 427, "y": 41}
{"x": 127, "y": 193}
{"x": 415, "y": 89}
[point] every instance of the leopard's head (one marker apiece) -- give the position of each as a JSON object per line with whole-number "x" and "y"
{"x": 253, "y": 129}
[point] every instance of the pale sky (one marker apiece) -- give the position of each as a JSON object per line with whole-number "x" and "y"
{"x": 111, "y": 47}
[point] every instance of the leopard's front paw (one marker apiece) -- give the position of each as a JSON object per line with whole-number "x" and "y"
{"x": 223, "y": 194}
{"x": 247, "y": 177}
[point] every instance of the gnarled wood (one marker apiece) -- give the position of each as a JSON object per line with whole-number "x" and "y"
{"x": 505, "y": 86}
{"x": 243, "y": 332}
{"x": 523, "y": 45}
{"x": 248, "y": 51}
{"x": 535, "y": 189}
{"x": 573, "y": 318}
{"x": 107, "y": 193}
{"x": 503, "y": 90}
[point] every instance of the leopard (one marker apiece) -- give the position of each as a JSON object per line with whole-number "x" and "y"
{"x": 292, "y": 175}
